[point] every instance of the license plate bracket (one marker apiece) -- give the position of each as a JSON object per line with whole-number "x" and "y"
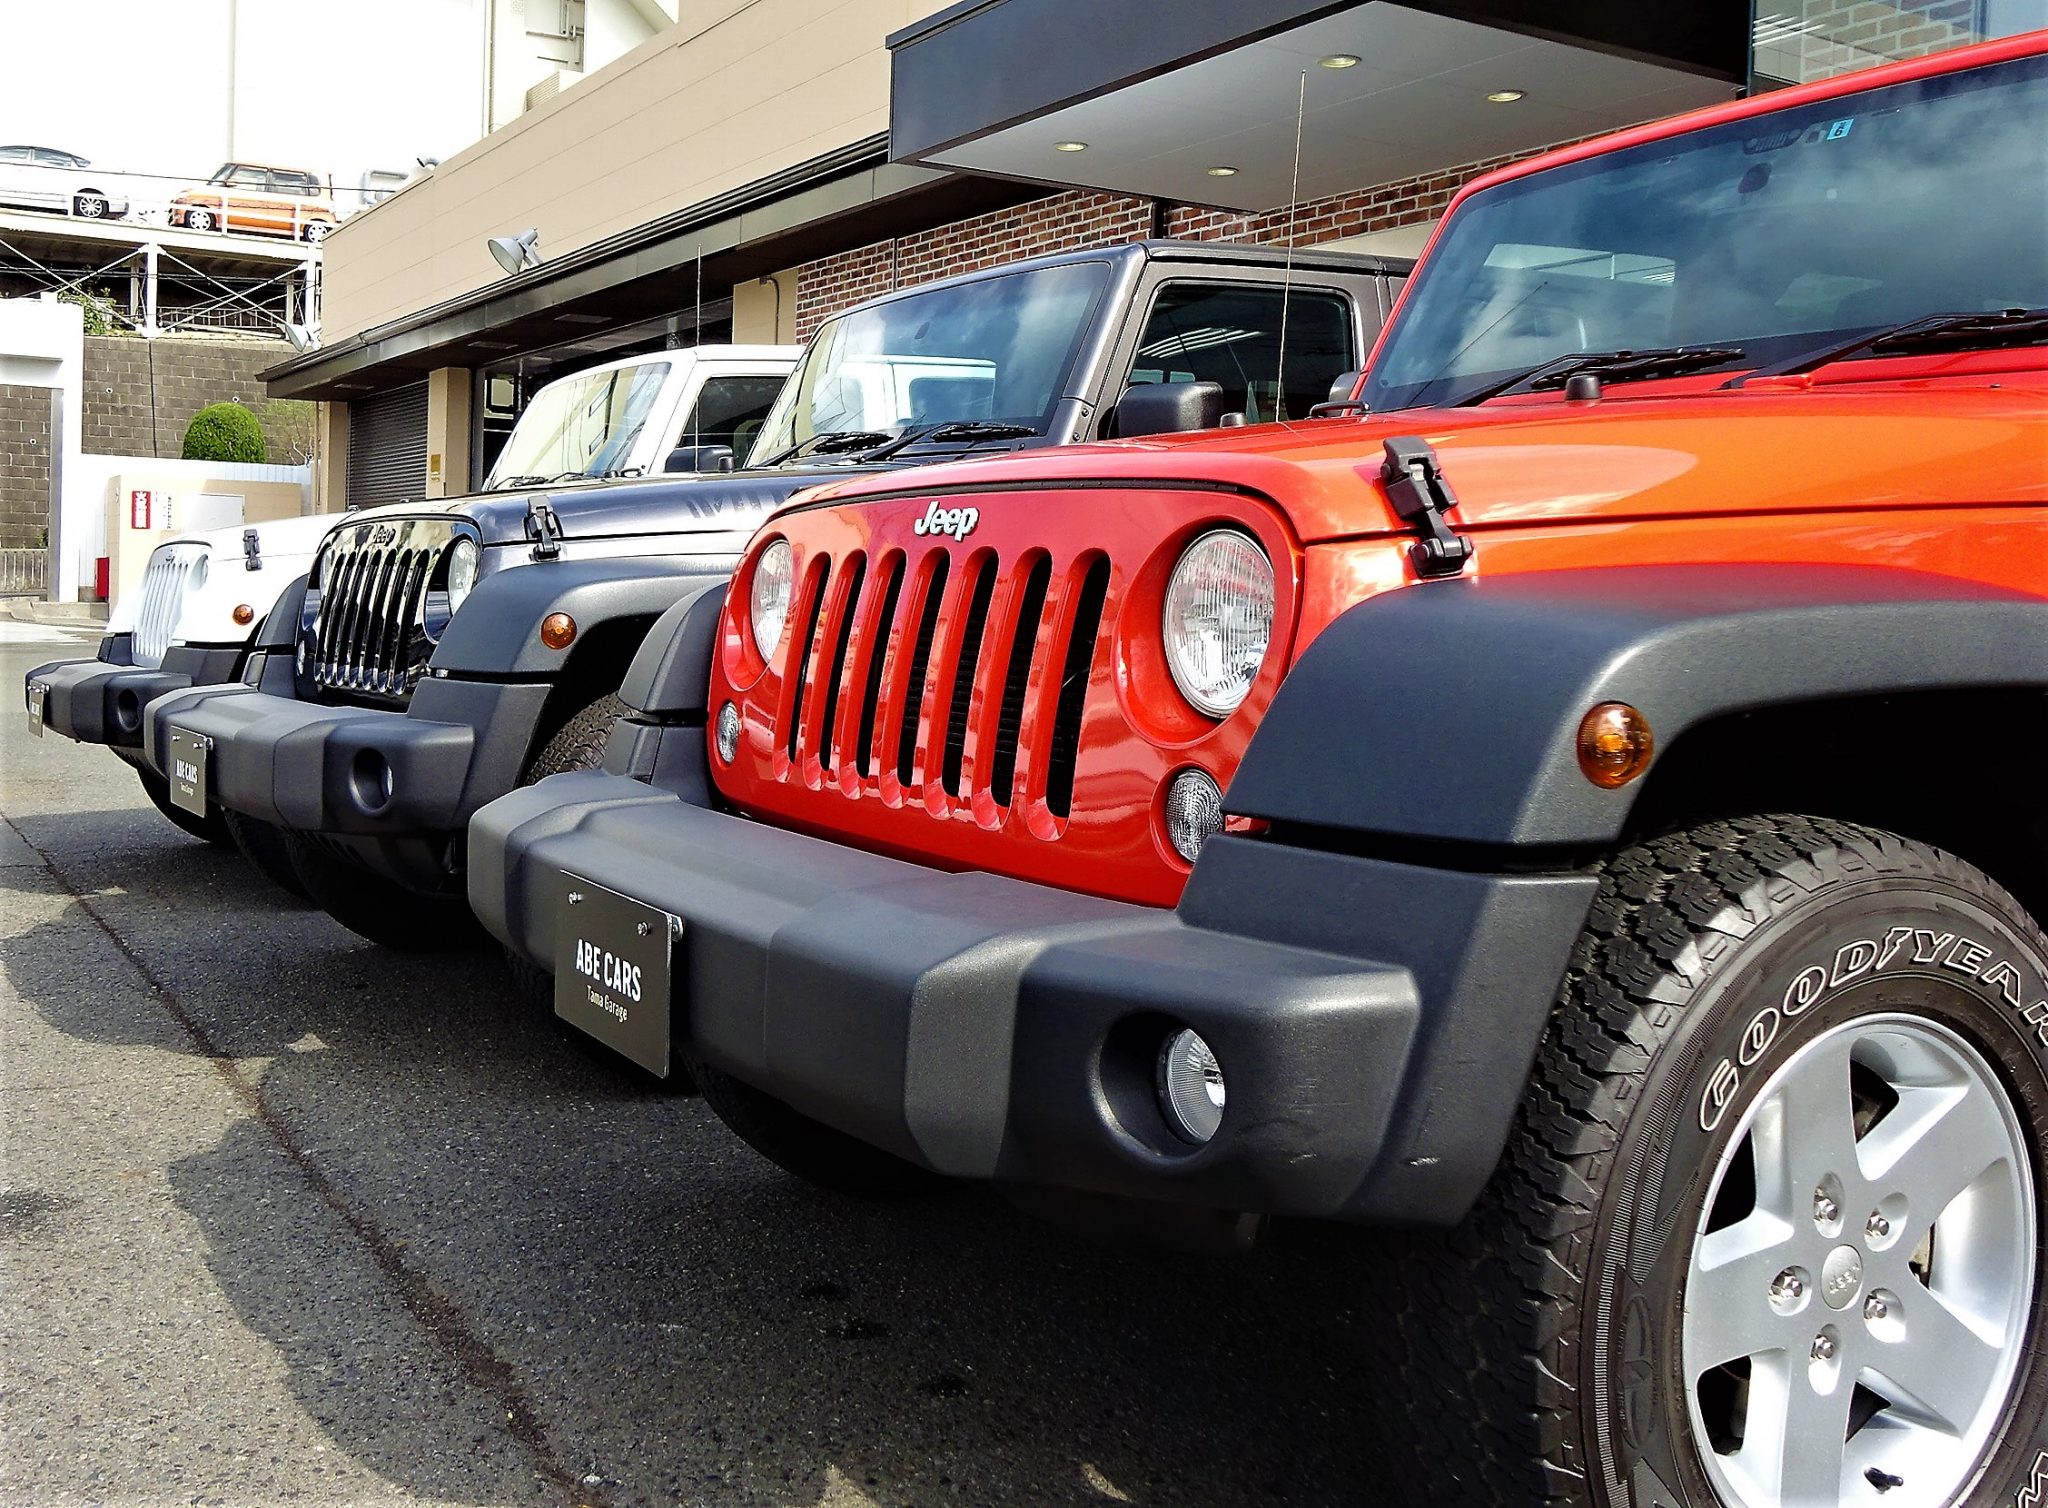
{"x": 38, "y": 698}
{"x": 187, "y": 770}
{"x": 613, "y": 964}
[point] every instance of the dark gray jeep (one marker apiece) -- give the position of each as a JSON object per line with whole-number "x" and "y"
{"x": 422, "y": 670}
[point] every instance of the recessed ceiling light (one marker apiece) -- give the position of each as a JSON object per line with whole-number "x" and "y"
{"x": 1339, "y": 60}
{"x": 1070, "y": 146}
{"x": 1220, "y": 171}
{"x": 1505, "y": 96}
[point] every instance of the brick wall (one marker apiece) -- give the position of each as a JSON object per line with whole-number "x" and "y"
{"x": 140, "y": 394}
{"x": 24, "y": 465}
{"x": 1070, "y": 221}
{"x": 1821, "y": 38}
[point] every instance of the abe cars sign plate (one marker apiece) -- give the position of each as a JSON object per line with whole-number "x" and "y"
{"x": 612, "y": 957}
{"x": 187, "y": 771}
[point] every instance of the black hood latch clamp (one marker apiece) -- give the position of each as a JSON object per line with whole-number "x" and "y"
{"x": 543, "y": 528}
{"x": 1415, "y": 485}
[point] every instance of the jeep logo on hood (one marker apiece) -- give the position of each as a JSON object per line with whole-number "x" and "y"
{"x": 375, "y": 534}
{"x": 957, "y": 522}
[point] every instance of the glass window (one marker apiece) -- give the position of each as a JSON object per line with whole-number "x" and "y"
{"x": 998, "y": 349}
{"x": 1773, "y": 234}
{"x": 254, "y": 178}
{"x": 729, "y": 411}
{"x": 581, "y": 426}
{"x": 1230, "y": 335}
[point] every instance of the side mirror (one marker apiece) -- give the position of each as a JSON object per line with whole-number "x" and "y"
{"x": 1165, "y": 408}
{"x": 1340, "y": 390}
{"x": 699, "y": 458}
{"x": 1340, "y": 400}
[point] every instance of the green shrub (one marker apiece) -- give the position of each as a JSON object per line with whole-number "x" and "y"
{"x": 224, "y": 432}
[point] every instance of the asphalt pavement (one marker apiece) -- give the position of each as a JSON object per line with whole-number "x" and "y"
{"x": 285, "y": 1217}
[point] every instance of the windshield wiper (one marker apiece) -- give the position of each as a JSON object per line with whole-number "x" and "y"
{"x": 1980, "y": 331}
{"x": 958, "y": 429}
{"x": 832, "y": 442}
{"x": 1619, "y": 366}
{"x": 519, "y": 481}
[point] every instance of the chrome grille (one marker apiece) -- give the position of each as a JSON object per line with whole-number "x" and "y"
{"x": 377, "y": 605}
{"x": 925, "y": 667}
{"x": 163, "y": 599}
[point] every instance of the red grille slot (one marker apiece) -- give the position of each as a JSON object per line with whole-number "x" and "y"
{"x": 840, "y": 635}
{"x": 1073, "y": 689}
{"x": 966, "y": 671}
{"x": 920, "y": 665}
{"x": 801, "y": 650}
{"x": 880, "y": 641}
{"x": 1026, "y": 629}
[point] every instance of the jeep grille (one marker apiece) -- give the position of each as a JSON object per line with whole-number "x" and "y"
{"x": 163, "y": 600}
{"x": 378, "y": 605}
{"x": 962, "y": 713}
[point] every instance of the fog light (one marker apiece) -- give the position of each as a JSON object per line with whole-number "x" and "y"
{"x": 243, "y": 615}
{"x": 558, "y": 630}
{"x": 1191, "y": 1086}
{"x": 1194, "y": 812}
{"x": 728, "y": 732}
{"x": 1614, "y": 744}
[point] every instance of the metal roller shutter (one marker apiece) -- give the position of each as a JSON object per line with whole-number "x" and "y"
{"x": 387, "y": 447}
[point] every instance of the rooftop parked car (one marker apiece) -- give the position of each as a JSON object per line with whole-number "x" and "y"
{"x": 257, "y": 200}
{"x": 1583, "y": 808}
{"x": 48, "y": 178}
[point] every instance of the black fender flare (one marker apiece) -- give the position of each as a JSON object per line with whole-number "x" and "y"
{"x": 280, "y": 626}
{"x": 497, "y": 630}
{"x": 670, "y": 678}
{"x": 1448, "y": 712}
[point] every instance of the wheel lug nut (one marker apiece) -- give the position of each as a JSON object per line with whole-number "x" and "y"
{"x": 1877, "y": 1227}
{"x": 1825, "y": 1210}
{"x": 1823, "y": 1348}
{"x": 1875, "y": 1308}
{"x": 1787, "y": 1286}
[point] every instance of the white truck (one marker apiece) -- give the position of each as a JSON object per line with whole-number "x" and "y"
{"x": 204, "y": 596}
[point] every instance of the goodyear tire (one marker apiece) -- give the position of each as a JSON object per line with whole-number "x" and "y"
{"x": 371, "y": 906}
{"x": 1768, "y": 1229}
{"x": 208, "y": 829}
{"x": 266, "y": 848}
{"x": 797, "y": 1144}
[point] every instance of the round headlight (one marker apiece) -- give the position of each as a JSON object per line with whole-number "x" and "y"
{"x": 1191, "y": 1086}
{"x": 462, "y": 558}
{"x": 768, "y": 600}
{"x": 1218, "y": 619}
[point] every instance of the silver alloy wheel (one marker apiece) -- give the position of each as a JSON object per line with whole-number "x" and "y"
{"x": 198, "y": 219}
{"x": 1855, "y": 1329}
{"x": 89, "y": 207}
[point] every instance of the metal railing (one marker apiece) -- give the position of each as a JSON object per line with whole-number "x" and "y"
{"x": 24, "y": 572}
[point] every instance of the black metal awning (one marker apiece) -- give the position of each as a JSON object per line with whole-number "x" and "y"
{"x": 1195, "y": 100}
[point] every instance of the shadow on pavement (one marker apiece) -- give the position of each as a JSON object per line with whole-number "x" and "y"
{"x": 686, "y": 1323}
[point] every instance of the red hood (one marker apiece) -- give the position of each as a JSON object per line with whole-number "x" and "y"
{"x": 1901, "y": 444}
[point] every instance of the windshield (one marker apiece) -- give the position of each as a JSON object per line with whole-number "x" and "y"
{"x": 997, "y": 350}
{"x": 581, "y": 426}
{"x": 1769, "y": 234}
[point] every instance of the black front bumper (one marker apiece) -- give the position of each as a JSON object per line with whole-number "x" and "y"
{"x": 1375, "y": 1021}
{"x": 102, "y": 701}
{"x": 392, "y": 786}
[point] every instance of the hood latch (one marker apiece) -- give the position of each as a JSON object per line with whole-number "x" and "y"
{"x": 252, "y": 550}
{"x": 1416, "y": 487}
{"x": 543, "y": 528}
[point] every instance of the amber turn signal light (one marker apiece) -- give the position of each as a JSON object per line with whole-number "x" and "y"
{"x": 558, "y": 630}
{"x": 1614, "y": 744}
{"x": 244, "y": 614}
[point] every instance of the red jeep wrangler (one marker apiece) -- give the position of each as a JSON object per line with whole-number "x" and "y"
{"x": 1588, "y": 799}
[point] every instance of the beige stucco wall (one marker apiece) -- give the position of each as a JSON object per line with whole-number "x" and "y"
{"x": 129, "y": 548}
{"x": 733, "y": 92}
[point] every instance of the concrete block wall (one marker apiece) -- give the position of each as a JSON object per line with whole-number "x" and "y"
{"x": 24, "y": 464}
{"x": 140, "y": 394}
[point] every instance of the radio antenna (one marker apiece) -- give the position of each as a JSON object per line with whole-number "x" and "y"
{"x": 1287, "y": 268}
